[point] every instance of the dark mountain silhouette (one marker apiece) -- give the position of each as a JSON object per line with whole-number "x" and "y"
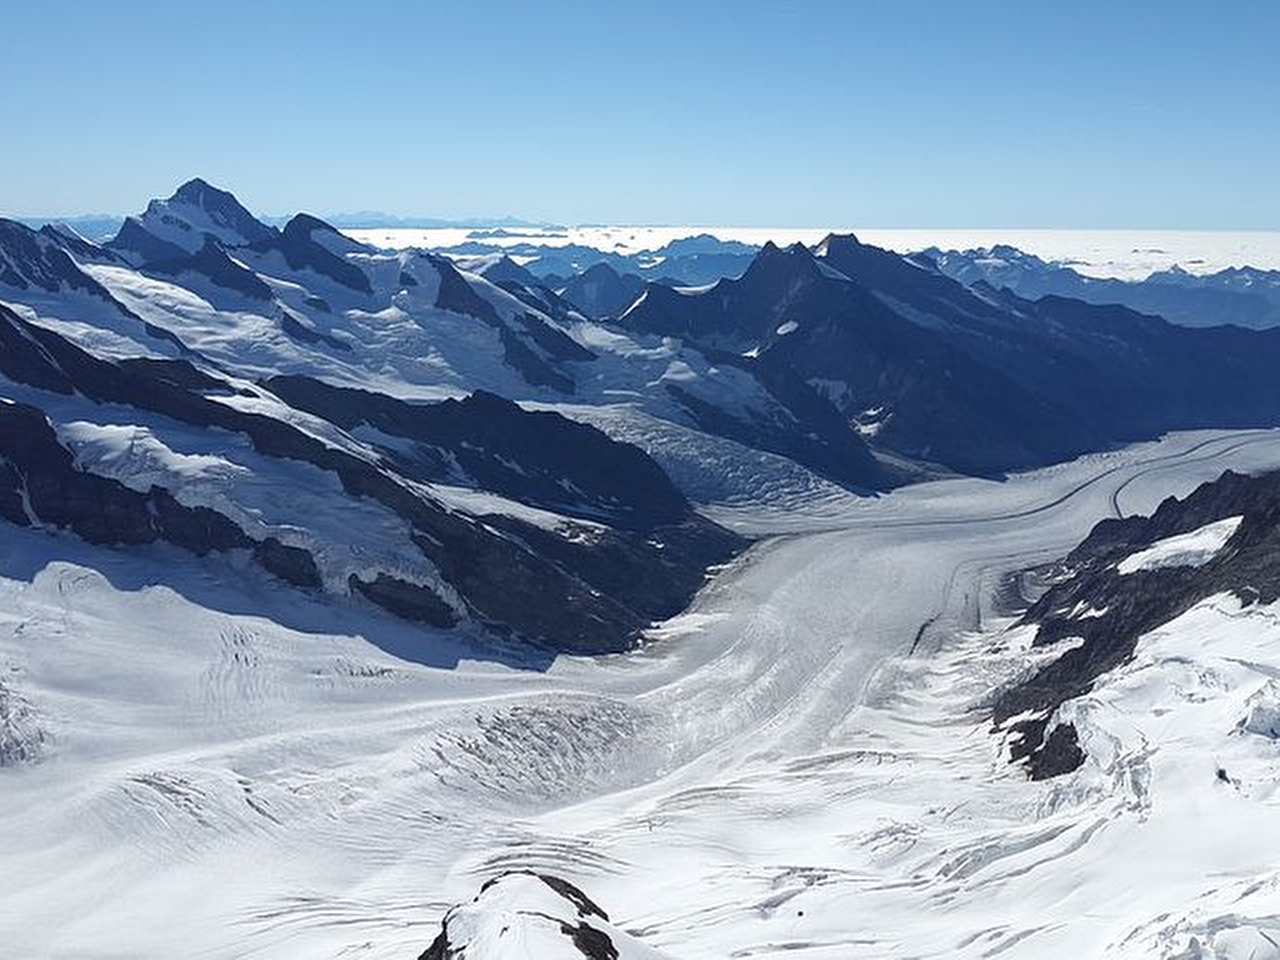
{"x": 978, "y": 380}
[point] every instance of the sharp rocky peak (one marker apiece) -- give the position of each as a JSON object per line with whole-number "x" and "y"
{"x": 201, "y": 193}
{"x": 198, "y": 207}
{"x": 774, "y": 263}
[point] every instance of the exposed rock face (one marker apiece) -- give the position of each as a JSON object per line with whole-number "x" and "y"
{"x": 310, "y": 281}
{"x": 138, "y": 245}
{"x": 522, "y": 914}
{"x": 408, "y": 600}
{"x": 537, "y": 458}
{"x": 1092, "y": 599}
{"x": 222, "y": 208}
{"x": 296, "y": 243}
{"x": 536, "y": 351}
{"x": 291, "y": 564}
{"x": 37, "y": 259}
{"x": 211, "y": 261}
{"x": 40, "y": 484}
{"x": 600, "y": 291}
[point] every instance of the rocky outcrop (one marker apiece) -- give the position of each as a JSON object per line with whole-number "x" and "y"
{"x": 536, "y": 458}
{"x": 302, "y": 252}
{"x": 1107, "y": 609}
{"x": 37, "y": 259}
{"x": 522, "y": 910}
{"x": 39, "y": 484}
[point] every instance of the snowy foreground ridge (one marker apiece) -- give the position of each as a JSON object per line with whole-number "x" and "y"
{"x": 798, "y": 766}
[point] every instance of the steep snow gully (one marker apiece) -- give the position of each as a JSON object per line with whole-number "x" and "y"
{"x": 795, "y": 766}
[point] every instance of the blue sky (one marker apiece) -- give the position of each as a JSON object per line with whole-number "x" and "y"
{"x": 1129, "y": 113}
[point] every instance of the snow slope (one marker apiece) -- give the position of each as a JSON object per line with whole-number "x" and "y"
{"x": 1193, "y": 549}
{"x": 797, "y": 766}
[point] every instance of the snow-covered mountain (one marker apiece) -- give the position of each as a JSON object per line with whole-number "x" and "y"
{"x": 1132, "y": 576}
{"x": 338, "y": 584}
{"x": 472, "y": 511}
{"x": 979, "y": 382}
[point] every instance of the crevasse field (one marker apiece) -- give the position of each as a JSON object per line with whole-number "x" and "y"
{"x": 798, "y": 766}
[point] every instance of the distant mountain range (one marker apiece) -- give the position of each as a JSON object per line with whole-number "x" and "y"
{"x": 1244, "y": 296}
{"x": 104, "y": 226}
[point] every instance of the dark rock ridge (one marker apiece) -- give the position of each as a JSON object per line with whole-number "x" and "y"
{"x": 211, "y": 261}
{"x": 586, "y": 594}
{"x": 505, "y": 270}
{"x": 44, "y": 262}
{"x": 600, "y": 291}
{"x": 39, "y": 484}
{"x": 980, "y": 381}
{"x": 536, "y": 350}
{"x": 1125, "y": 607}
{"x": 301, "y": 251}
{"x": 234, "y": 273}
{"x": 801, "y": 330}
{"x": 296, "y": 243}
{"x": 37, "y": 259}
{"x": 538, "y": 458}
{"x": 78, "y": 246}
{"x": 139, "y": 245}
{"x": 169, "y": 229}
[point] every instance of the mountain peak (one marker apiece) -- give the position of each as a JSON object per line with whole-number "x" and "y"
{"x": 837, "y": 243}
{"x": 194, "y": 191}
{"x": 196, "y": 210}
{"x": 305, "y": 229}
{"x": 774, "y": 263}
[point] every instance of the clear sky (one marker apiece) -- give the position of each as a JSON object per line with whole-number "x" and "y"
{"x": 1125, "y": 113}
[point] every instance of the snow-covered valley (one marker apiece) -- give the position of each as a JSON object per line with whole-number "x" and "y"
{"x": 356, "y": 601}
{"x": 800, "y": 764}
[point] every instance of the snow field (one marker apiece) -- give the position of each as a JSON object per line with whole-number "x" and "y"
{"x": 773, "y": 773}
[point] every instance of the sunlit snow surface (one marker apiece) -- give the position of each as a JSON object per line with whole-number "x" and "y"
{"x": 1193, "y": 549}
{"x": 230, "y": 770}
{"x": 1127, "y": 254}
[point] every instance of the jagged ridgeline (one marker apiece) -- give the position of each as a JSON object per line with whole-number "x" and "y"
{"x": 202, "y": 357}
